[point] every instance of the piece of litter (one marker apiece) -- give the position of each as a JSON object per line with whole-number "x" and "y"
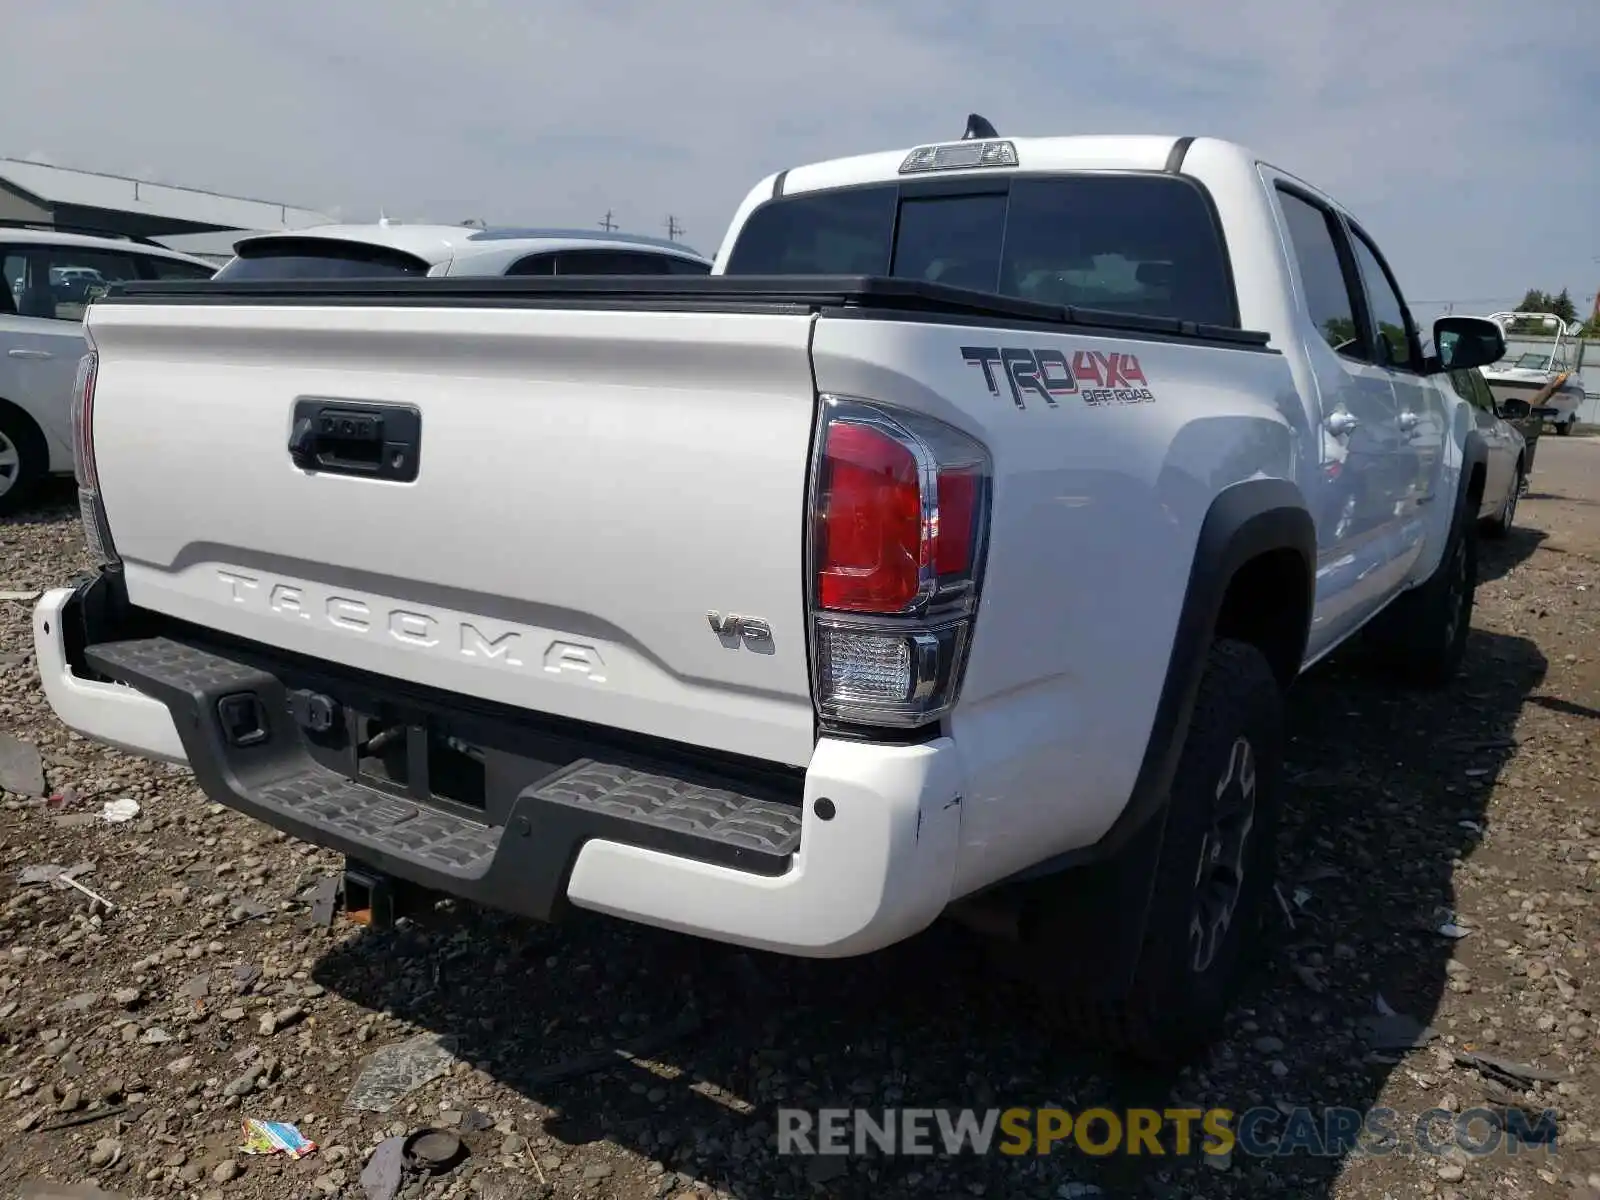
{"x": 1382, "y": 1006}
{"x": 1472, "y": 825}
{"x": 380, "y": 1178}
{"x": 1514, "y": 1074}
{"x": 1302, "y": 897}
{"x": 399, "y": 1068}
{"x": 1477, "y": 772}
{"x": 22, "y": 595}
{"x": 115, "y": 812}
{"x": 275, "y": 1137}
{"x": 1451, "y": 930}
{"x": 1396, "y": 1031}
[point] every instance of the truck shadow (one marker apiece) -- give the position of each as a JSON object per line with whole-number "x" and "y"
{"x": 1388, "y": 793}
{"x": 1498, "y": 559}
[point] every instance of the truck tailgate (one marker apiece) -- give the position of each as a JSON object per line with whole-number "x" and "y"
{"x": 590, "y": 487}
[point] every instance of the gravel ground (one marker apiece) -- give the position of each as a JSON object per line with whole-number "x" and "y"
{"x": 208, "y": 995}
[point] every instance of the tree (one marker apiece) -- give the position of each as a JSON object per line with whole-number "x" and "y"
{"x": 1563, "y": 307}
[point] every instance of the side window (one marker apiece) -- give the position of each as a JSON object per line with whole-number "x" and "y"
{"x": 609, "y": 262}
{"x": 174, "y": 268}
{"x": 1327, "y": 293}
{"x": 533, "y": 264}
{"x": 58, "y": 282}
{"x": 1469, "y": 385}
{"x": 1388, "y": 310}
{"x": 14, "y": 266}
{"x": 686, "y": 266}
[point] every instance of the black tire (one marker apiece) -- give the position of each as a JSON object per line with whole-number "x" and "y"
{"x": 24, "y": 459}
{"x": 1184, "y": 981}
{"x": 1498, "y": 527}
{"x": 1422, "y": 636}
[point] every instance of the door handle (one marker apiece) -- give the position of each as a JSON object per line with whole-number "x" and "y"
{"x": 375, "y": 441}
{"x": 1340, "y": 423}
{"x": 1408, "y": 420}
{"x": 33, "y": 354}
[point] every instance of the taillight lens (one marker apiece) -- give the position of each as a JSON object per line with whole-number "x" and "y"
{"x": 83, "y": 421}
{"x": 900, "y": 509}
{"x": 96, "y": 532}
{"x": 870, "y": 538}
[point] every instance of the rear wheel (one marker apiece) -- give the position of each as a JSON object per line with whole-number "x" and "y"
{"x": 1566, "y": 428}
{"x": 23, "y": 459}
{"x": 1213, "y": 873}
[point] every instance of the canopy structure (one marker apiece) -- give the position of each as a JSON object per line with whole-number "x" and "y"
{"x": 87, "y": 201}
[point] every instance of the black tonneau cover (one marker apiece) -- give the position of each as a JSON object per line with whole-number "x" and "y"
{"x": 700, "y": 293}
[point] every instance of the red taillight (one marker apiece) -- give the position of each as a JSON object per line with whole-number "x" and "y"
{"x": 870, "y": 544}
{"x": 96, "y": 532}
{"x": 900, "y": 511}
{"x": 955, "y": 538}
{"x": 83, "y": 421}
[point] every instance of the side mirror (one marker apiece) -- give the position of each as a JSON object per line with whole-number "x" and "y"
{"x": 1466, "y": 342}
{"x": 1514, "y": 410}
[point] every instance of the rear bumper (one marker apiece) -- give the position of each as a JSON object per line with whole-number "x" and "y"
{"x": 860, "y": 855}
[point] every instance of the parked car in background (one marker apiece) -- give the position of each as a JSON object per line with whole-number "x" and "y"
{"x": 50, "y": 276}
{"x": 394, "y": 249}
{"x": 1510, "y": 456}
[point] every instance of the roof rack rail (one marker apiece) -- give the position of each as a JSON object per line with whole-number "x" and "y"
{"x": 82, "y": 230}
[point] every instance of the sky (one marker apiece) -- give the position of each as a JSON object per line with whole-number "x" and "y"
{"x": 1460, "y": 133}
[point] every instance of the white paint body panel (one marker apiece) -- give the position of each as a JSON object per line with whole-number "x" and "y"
{"x": 591, "y": 485}
{"x": 598, "y": 480}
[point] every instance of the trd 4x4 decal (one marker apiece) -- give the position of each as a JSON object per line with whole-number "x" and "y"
{"x": 1117, "y": 378}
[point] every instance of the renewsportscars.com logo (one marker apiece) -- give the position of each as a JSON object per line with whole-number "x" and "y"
{"x": 1175, "y": 1132}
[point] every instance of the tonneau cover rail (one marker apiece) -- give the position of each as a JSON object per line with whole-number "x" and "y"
{"x": 744, "y": 293}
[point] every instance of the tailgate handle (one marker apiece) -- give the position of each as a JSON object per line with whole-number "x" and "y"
{"x": 365, "y": 439}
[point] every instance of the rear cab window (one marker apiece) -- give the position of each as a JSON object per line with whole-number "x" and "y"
{"x": 1145, "y": 245}
{"x": 320, "y": 258}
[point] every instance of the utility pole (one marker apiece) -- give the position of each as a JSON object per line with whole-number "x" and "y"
{"x": 608, "y": 224}
{"x": 674, "y": 230}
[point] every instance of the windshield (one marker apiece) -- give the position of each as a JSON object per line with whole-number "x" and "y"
{"x": 1141, "y": 244}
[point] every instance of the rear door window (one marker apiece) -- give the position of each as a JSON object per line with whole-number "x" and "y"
{"x": 58, "y": 282}
{"x": 174, "y": 268}
{"x": 609, "y": 262}
{"x": 1147, "y": 245}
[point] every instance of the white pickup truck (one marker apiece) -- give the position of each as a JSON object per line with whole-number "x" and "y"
{"x": 949, "y": 550}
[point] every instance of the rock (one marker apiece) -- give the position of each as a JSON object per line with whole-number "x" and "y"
{"x": 1452, "y": 1172}
{"x": 21, "y": 769}
{"x": 126, "y": 997}
{"x": 282, "y": 1019}
{"x": 599, "y": 1170}
{"x": 1269, "y": 1045}
{"x": 231, "y": 1014}
{"x": 225, "y": 1172}
{"x": 106, "y": 1151}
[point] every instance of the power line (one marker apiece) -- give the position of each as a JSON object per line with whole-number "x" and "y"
{"x": 608, "y": 224}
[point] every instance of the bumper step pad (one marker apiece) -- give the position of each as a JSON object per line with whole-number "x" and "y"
{"x": 521, "y": 866}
